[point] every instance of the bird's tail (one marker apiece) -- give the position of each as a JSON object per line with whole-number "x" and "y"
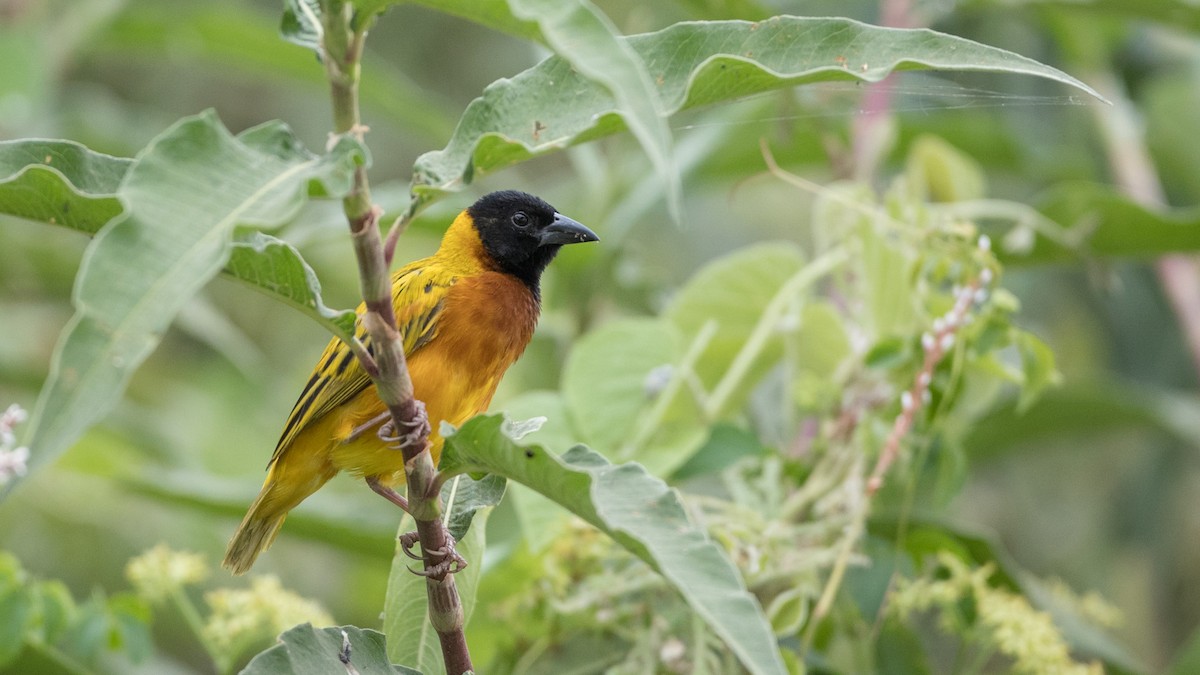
{"x": 262, "y": 522}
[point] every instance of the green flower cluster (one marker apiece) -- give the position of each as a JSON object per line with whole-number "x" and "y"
{"x": 996, "y": 619}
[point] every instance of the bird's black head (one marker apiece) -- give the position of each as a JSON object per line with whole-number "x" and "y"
{"x": 522, "y": 233}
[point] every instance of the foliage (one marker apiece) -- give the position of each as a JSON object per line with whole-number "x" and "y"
{"x": 43, "y": 627}
{"x": 793, "y": 404}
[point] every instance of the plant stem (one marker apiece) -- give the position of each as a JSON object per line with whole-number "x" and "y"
{"x": 1134, "y": 172}
{"x": 191, "y": 616}
{"x": 64, "y": 662}
{"x": 767, "y": 326}
{"x": 342, "y": 42}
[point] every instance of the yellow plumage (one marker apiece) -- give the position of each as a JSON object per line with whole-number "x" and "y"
{"x": 463, "y": 323}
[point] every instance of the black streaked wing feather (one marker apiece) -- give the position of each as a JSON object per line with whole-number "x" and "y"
{"x": 418, "y": 293}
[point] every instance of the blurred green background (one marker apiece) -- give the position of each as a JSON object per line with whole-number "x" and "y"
{"x": 1097, "y": 485}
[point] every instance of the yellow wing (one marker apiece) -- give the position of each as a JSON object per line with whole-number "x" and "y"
{"x": 418, "y": 295}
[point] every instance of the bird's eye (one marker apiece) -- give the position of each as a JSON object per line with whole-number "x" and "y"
{"x": 520, "y": 219}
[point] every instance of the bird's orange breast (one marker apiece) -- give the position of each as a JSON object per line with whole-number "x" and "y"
{"x": 485, "y": 325}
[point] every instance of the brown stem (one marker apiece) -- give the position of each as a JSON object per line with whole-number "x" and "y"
{"x": 935, "y": 343}
{"x": 342, "y": 47}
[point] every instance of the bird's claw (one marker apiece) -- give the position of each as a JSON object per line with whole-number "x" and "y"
{"x": 407, "y": 541}
{"x": 418, "y": 429}
{"x": 450, "y": 561}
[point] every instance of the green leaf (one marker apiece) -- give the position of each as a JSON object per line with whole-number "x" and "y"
{"x": 1098, "y": 221}
{"x": 494, "y": 14}
{"x": 822, "y": 343}
{"x": 305, "y": 650}
{"x": 185, "y": 194}
{"x": 640, "y": 513}
{"x": 1037, "y": 363}
{"x": 301, "y": 23}
{"x": 54, "y": 196}
{"x": 60, "y": 182}
{"x": 611, "y": 381}
{"x": 942, "y": 172}
{"x": 899, "y": 651}
{"x": 551, "y": 106}
{"x": 886, "y": 272}
{"x": 725, "y": 446}
{"x": 55, "y": 609}
{"x": 412, "y": 640}
{"x": 1083, "y": 409}
{"x": 540, "y": 519}
{"x": 16, "y": 609}
{"x": 302, "y": 20}
{"x": 735, "y": 291}
{"x": 276, "y": 268}
{"x": 1187, "y": 659}
{"x": 788, "y": 611}
{"x": 582, "y": 35}
{"x": 1176, "y": 14}
{"x": 464, "y": 497}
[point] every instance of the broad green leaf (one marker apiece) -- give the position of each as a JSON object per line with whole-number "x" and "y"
{"x": 60, "y": 182}
{"x": 942, "y": 172}
{"x": 78, "y": 190}
{"x": 611, "y": 382}
{"x": 726, "y": 9}
{"x": 494, "y": 14}
{"x": 886, "y": 272}
{"x": 540, "y": 519}
{"x": 726, "y": 445}
{"x": 735, "y": 291}
{"x": 1082, "y": 409}
{"x": 581, "y": 34}
{"x": 16, "y": 610}
{"x": 1162, "y": 102}
{"x": 1098, "y": 221}
{"x": 463, "y": 497}
{"x": 551, "y": 106}
{"x": 305, "y": 650}
{"x": 276, "y": 268}
{"x": 184, "y": 195}
{"x": 1176, "y": 14}
{"x": 55, "y": 609}
{"x": 640, "y": 513}
{"x": 899, "y": 651}
{"x": 556, "y": 430}
{"x": 788, "y": 611}
{"x": 821, "y": 342}
{"x": 412, "y": 640}
{"x": 64, "y": 183}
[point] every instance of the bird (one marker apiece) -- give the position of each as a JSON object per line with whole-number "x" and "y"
{"x": 465, "y": 314}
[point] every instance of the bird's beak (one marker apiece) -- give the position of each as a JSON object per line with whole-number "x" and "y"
{"x": 565, "y": 231}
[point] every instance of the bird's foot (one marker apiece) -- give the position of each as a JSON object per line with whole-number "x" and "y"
{"x": 407, "y": 541}
{"x": 387, "y": 493}
{"x": 361, "y": 429}
{"x": 448, "y": 561}
{"x": 417, "y": 429}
